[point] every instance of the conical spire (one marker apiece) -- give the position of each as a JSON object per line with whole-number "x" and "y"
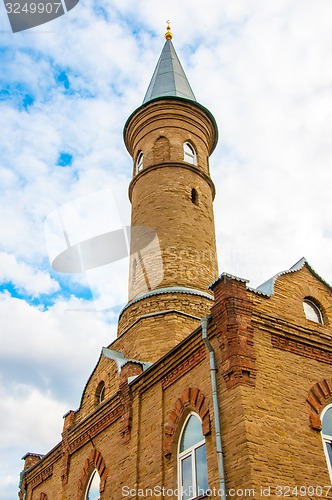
{"x": 168, "y": 78}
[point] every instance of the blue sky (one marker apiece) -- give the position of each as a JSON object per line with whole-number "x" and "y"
{"x": 66, "y": 89}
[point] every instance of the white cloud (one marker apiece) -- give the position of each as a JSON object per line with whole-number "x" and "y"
{"x": 24, "y": 277}
{"x": 46, "y": 359}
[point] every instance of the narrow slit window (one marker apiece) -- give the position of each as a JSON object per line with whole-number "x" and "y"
{"x": 194, "y": 196}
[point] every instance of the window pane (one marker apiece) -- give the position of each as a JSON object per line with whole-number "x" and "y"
{"x": 192, "y": 433}
{"x": 187, "y": 483}
{"x": 93, "y": 491}
{"x": 189, "y": 153}
{"x": 201, "y": 470}
{"x": 189, "y": 149}
{"x": 139, "y": 162}
{"x": 311, "y": 311}
{"x": 327, "y": 422}
{"x": 329, "y": 451}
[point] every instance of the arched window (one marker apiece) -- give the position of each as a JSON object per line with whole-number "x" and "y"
{"x": 92, "y": 491}
{"x": 192, "y": 464}
{"x": 190, "y": 154}
{"x": 100, "y": 392}
{"x": 312, "y": 311}
{"x": 139, "y": 162}
{"x": 326, "y": 418}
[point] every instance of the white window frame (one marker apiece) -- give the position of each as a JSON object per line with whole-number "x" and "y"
{"x": 315, "y": 308}
{"x": 89, "y": 484}
{"x": 326, "y": 439}
{"x": 139, "y": 162}
{"x": 191, "y": 155}
{"x": 102, "y": 394}
{"x": 186, "y": 453}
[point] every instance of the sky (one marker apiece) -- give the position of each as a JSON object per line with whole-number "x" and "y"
{"x": 66, "y": 89}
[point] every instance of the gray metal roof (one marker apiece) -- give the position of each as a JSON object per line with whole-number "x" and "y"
{"x": 168, "y": 78}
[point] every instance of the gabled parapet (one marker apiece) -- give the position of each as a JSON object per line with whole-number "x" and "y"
{"x": 267, "y": 288}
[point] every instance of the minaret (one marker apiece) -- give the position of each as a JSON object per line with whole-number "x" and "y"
{"x": 173, "y": 252}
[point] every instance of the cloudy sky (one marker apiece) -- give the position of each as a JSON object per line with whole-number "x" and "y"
{"x": 264, "y": 70}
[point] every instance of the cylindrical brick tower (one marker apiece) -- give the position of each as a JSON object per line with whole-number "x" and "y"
{"x": 173, "y": 251}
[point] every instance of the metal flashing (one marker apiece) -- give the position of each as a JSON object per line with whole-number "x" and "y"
{"x": 170, "y": 289}
{"x": 121, "y": 360}
{"x": 229, "y": 276}
{"x": 267, "y": 288}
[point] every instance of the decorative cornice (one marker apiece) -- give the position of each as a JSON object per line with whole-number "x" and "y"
{"x": 301, "y": 348}
{"x": 41, "y": 477}
{"x": 95, "y": 429}
{"x": 185, "y": 366}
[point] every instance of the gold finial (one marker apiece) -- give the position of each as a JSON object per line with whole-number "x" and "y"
{"x": 168, "y": 34}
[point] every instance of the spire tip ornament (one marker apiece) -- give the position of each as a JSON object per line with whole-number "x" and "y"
{"x": 168, "y": 34}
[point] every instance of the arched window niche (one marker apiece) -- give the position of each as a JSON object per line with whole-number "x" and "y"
{"x": 326, "y": 418}
{"x": 93, "y": 488}
{"x": 312, "y": 311}
{"x": 192, "y": 464}
{"x": 189, "y": 153}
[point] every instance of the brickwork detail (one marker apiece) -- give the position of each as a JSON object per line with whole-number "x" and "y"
{"x": 161, "y": 150}
{"x": 129, "y": 370}
{"x": 95, "y": 429}
{"x": 95, "y": 461}
{"x": 232, "y": 312}
{"x": 319, "y": 396}
{"x": 43, "y": 496}
{"x": 301, "y": 348}
{"x": 192, "y": 398}
{"x": 45, "y": 474}
{"x": 183, "y": 367}
{"x": 68, "y": 424}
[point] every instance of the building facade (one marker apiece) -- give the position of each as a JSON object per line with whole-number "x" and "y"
{"x": 212, "y": 389}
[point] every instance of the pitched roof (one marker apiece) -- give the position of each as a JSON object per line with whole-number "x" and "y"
{"x": 169, "y": 78}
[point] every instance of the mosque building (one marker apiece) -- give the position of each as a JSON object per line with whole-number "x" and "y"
{"x": 212, "y": 389}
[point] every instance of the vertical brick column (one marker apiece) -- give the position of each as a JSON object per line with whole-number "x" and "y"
{"x": 231, "y": 314}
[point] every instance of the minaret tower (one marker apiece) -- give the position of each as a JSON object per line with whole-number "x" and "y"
{"x": 173, "y": 252}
